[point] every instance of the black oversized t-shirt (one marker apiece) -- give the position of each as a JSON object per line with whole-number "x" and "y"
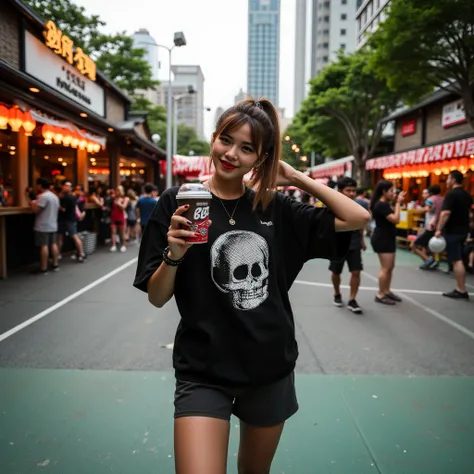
{"x": 459, "y": 202}
{"x": 237, "y": 324}
{"x": 68, "y": 203}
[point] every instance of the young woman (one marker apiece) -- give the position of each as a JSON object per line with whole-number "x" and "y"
{"x": 117, "y": 219}
{"x": 384, "y": 237}
{"x": 235, "y": 347}
{"x": 132, "y": 234}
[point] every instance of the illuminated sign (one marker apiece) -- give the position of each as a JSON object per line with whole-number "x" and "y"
{"x": 64, "y": 46}
{"x": 49, "y": 68}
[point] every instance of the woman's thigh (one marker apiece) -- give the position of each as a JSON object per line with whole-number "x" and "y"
{"x": 200, "y": 445}
{"x": 387, "y": 260}
{"x": 258, "y": 445}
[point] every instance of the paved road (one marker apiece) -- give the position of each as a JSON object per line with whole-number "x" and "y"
{"x": 85, "y": 371}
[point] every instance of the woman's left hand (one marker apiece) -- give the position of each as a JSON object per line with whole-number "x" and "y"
{"x": 286, "y": 174}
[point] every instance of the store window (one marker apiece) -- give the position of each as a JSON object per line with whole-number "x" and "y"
{"x": 56, "y": 164}
{"x": 7, "y": 155}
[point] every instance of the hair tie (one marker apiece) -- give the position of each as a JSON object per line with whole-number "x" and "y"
{"x": 258, "y": 104}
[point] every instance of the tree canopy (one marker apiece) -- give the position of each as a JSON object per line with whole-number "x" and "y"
{"x": 342, "y": 113}
{"x": 425, "y": 44}
{"x": 114, "y": 54}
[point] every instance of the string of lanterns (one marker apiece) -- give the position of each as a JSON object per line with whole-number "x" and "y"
{"x": 423, "y": 171}
{"x": 67, "y": 138}
{"x": 17, "y": 119}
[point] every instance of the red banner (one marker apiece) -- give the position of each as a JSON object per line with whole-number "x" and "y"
{"x": 446, "y": 151}
{"x": 329, "y": 172}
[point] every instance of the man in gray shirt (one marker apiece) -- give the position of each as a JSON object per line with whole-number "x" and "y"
{"x": 46, "y": 208}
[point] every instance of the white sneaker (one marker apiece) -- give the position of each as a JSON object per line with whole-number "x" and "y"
{"x": 113, "y": 248}
{"x": 123, "y": 248}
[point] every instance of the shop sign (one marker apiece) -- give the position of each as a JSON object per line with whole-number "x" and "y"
{"x": 453, "y": 114}
{"x": 49, "y": 68}
{"x": 329, "y": 172}
{"x": 64, "y": 47}
{"x": 408, "y": 128}
{"x": 431, "y": 154}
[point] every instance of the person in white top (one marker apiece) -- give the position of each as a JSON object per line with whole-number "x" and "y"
{"x": 46, "y": 208}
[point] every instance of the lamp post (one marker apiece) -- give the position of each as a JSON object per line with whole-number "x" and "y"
{"x": 179, "y": 40}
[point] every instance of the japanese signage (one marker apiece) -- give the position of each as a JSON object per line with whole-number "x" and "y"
{"x": 446, "y": 151}
{"x": 60, "y": 75}
{"x": 408, "y": 128}
{"x": 453, "y": 114}
{"x": 64, "y": 47}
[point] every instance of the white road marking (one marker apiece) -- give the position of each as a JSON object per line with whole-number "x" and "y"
{"x": 66, "y": 300}
{"x": 431, "y": 311}
{"x": 373, "y": 288}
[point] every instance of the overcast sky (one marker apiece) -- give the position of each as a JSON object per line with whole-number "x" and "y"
{"x": 216, "y": 35}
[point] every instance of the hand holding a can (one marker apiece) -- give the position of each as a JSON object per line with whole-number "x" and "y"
{"x": 180, "y": 235}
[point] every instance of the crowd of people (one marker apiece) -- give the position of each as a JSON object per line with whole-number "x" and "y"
{"x": 60, "y": 211}
{"x": 451, "y": 218}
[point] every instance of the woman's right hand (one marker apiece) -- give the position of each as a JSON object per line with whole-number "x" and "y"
{"x": 177, "y": 233}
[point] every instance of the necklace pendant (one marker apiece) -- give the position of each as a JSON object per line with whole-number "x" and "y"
{"x": 231, "y": 221}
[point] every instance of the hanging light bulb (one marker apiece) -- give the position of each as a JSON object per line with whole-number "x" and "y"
{"x": 48, "y": 134}
{"x": 58, "y": 135}
{"x": 15, "y": 119}
{"x": 97, "y": 148}
{"x": 4, "y": 115}
{"x": 29, "y": 124}
{"x": 90, "y": 147}
{"x": 67, "y": 139}
{"x": 82, "y": 143}
{"x": 75, "y": 141}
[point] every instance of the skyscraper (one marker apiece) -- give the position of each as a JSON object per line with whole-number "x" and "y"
{"x": 264, "y": 49}
{"x": 143, "y": 40}
{"x": 323, "y": 27}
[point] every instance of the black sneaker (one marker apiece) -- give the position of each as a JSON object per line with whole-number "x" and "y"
{"x": 338, "y": 301}
{"x": 385, "y": 300}
{"x": 55, "y": 268}
{"x": 455, "y": 294}
{"x": 393, "y": 297}
{"x": 354, "y": 307}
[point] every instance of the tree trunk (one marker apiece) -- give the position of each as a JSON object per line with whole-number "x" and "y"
{"x": 360, "y": 174}
{"x": 468, "y": 101}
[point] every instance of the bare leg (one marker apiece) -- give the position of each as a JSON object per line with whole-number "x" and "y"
{"x": 200, "y": 445}
{"x": 55, "y": 254}
{"x": 387, "y": 263}
{"x": 257, "y": 448}
{"x": 44, "y": 253}
{"x": 123, "y": 241}
{"x": 354, "y": 284}
{"x": 60, "y": 243}
{"x": 471, "y": 259}
{"x": 78, "y": 244}
{"x": 460, "y": 275}
{"x": 420, "y": 251}
{"x": 336, "y": 282}
{"x": 113, "y": 235}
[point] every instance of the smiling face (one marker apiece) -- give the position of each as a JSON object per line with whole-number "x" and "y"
{"x": 233, "y": 153}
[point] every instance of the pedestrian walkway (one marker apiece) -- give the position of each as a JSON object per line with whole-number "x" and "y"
{"x": 87, "y": 386}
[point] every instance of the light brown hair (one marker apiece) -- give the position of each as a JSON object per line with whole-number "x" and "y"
{"x": 262, "y": 118}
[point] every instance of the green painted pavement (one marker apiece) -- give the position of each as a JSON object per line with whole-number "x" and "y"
{"x": 88, "y": 422}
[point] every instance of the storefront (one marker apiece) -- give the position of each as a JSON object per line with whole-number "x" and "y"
{"x": 431, "y": 139}
{"x": 61, "y": 119}
{"x": 333, "y": 169}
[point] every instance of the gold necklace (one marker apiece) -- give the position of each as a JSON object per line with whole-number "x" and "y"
{"x": 230, "y": 216}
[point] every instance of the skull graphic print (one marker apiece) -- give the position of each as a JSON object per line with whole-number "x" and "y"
{"x": 239, "y": 266}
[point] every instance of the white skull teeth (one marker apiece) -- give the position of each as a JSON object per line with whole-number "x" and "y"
{"x": 239, "y": 265}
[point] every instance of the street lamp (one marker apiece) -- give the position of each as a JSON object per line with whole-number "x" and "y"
{"x": 175, "y": 117}
{"x": 179, "y": 40}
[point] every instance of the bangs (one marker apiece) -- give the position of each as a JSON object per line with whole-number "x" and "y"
{"x": 237, "y": 120}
